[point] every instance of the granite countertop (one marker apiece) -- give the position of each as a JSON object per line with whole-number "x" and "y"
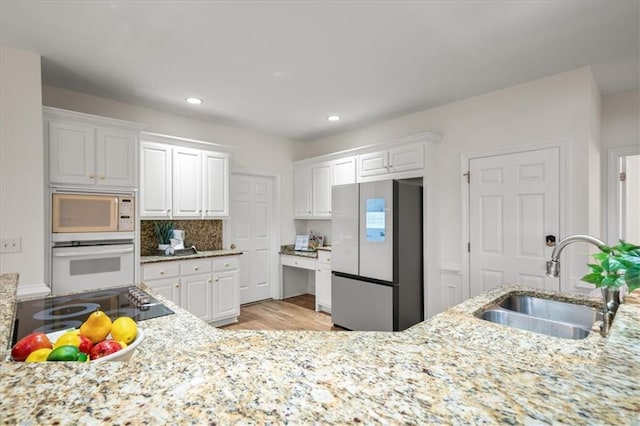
{"x": 453, "y": 369}
{"x": 290, "y": 251}
{"x": 200, "y": 254}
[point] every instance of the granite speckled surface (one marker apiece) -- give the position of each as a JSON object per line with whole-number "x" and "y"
{"x": 204, "y": 234}
{"x": 200, "y": 254}
{"x": 289, "y": 250}
{"x": 453, "y": 369}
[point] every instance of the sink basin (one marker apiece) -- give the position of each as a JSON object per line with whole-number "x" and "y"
{"x": 581, "y": 315}
{"x": 537, "y": 325}
{"x": 550, "y": 317}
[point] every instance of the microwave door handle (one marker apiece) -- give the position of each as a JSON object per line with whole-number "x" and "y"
{"x": 92, "y": 253}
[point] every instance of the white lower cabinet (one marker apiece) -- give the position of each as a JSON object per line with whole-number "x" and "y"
{"x": 323, "y": 281}
{"x": 226, "y": 290}
{"x": 208, "y": 287}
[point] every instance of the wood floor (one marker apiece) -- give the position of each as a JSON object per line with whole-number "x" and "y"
{"x": 294, "y": 313}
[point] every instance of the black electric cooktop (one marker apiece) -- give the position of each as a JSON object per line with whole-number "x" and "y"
{"x": 58, "y": 313}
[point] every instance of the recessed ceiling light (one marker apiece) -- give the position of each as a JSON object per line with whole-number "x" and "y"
{"x": 194, "y": 101}
{"x": 333, "y": 118}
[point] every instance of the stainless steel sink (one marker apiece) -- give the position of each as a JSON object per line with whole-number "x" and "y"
{"x": 554, "y": 310}
{"x": 537, "y": 325}
{"x": 550, "y": 317}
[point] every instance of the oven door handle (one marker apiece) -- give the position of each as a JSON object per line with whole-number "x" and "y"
{"x": 92, "y": 253}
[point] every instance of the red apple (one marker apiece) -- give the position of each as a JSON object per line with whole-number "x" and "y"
{"x": 28, "y": 344}
{"x": 104, "y": 348}
{"x": 85, "y": 344}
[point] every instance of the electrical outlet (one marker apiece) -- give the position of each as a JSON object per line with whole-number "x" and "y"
{"x": 11, "y": 245}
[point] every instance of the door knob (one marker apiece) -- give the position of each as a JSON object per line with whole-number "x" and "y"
{"x": 551, "y": 240}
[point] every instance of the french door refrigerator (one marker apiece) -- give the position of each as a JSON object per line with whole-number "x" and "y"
{"x": 377, "y": 267}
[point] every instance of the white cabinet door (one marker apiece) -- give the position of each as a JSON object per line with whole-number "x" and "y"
{"x": 323, "y": 282}
{"x": 167, "y": 287}
{"x": 155, "y": 180}
{"x": 321, "y": 175}
{"x": 71, "y": 153}
{"x": 406, "y": 158}
{"x": 115, "y": 158}
{"x": 226, "y": 295}
{"x": 373, "y": 164}
{"x": 216, "y": 184}
{"x": 197, "y": 295}
{"x": 187, "y": 182}
{"x": 302, "y": 192}
{"x": 344, "y": 171}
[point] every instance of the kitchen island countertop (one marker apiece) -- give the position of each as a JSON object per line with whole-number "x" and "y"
{"x": 453, "y": 368}
{"x": 200, "y": 254}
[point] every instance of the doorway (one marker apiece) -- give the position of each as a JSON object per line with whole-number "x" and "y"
{"x": 513, "y": 211}
{"x": 254, "y": 229}
{"x": 624, "y": 195}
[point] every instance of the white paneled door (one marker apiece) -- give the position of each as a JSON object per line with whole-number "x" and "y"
{"x": 252, "y": 232}
{"x": 513, "y": 206}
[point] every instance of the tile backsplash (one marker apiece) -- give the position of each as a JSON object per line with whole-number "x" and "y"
{"x": 204, "y": 234}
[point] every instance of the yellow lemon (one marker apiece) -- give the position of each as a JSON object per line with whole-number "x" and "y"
{"x": 97, "y": 327}
{"x": 124, "y": 329}
{"x": 39, "y": 355}
{"x": 70, "y": 338}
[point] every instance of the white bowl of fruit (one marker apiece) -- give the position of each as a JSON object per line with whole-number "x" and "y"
{"x": 97, "y": 340}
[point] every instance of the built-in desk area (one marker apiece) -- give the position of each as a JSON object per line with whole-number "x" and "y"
{"x": 307, "y": 272}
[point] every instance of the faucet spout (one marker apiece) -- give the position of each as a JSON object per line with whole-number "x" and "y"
{"x": 553, "y": 265}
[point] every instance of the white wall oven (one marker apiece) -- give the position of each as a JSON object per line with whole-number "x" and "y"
{"x": 93, "y": 240}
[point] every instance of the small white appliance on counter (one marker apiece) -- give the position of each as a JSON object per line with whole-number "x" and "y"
{"x": 377, "y": 263}
{"x": 93, "y": 237}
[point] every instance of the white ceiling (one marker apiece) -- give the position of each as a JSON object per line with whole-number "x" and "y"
{"x": 283, "y": 67}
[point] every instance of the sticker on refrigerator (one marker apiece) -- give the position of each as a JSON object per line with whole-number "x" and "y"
{"x": 374, "y": 220}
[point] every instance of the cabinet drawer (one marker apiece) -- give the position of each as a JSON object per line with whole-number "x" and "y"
{"x": 196, "y": 266}
{"x": 154, "y": 271}
{"x": 324, "y": 257}
{"x": 225, "y": 264}
{"x": 298, "y": 262}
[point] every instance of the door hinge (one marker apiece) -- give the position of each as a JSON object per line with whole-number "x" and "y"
{"x": 468, "y": 175}
{"x": 468, "y": 247}
{"x": 622, "y": 176}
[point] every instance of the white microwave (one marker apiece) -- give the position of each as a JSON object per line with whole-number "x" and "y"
{"x": 92, "y": 213}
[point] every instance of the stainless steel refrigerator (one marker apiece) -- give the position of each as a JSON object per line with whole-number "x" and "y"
{"x": 376, "y": 258}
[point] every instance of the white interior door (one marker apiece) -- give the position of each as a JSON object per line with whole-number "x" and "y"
{"x": 252, "y": 200}
{"x": 513, "y": 206}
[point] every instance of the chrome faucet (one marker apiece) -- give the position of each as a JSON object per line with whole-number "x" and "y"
{"x": 553, "y": 265}
{"x": 553, "y": 270}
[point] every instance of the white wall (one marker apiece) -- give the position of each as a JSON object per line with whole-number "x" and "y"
{"x": 251, "y": 150}
{"x": 620, "y": 127}
{"x": 22, "y": 164}
{"x": 560, "y": 108}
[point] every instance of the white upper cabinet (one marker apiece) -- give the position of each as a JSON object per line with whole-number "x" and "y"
{"x": 155, "y": 180}
{"x": 187, "y": 182}
{"x": 90, "y": 151}
{"x": 312, "y": 186}
{"x": 215, "y": 171}
{"x": 71, "y": 153}
{"x": 302, "y": 192}
{"x": 391, "y": 161}
{"x": 344, "y": 171}
{"x": 406, "y": 158}
{"x": 321, "y": 177}
{"x": 373, "y": 163}
{"x": 183, "y": 182}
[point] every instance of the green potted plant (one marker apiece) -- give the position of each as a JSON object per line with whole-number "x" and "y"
{"x": 164, "y": 233}
{"x": 615, "y": 266}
